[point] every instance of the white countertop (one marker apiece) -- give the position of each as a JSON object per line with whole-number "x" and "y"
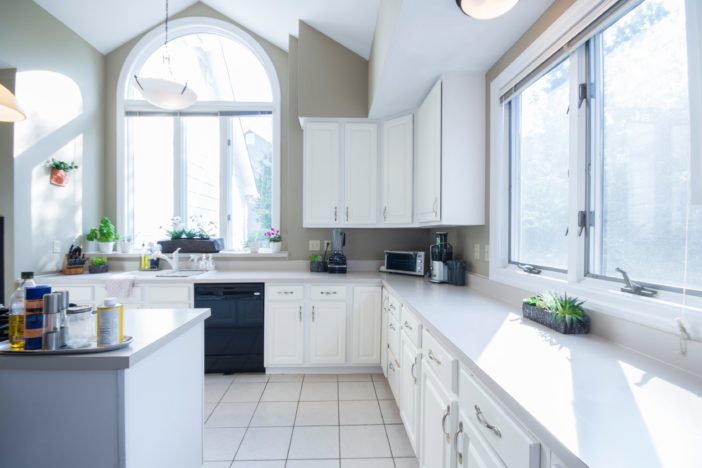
{"x": 607, "y": 405}
{"x": 152, "y": 329}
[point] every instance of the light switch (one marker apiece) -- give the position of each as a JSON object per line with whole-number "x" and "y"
{"x": 476, "y": 252}
{"x": 314, "y": 245}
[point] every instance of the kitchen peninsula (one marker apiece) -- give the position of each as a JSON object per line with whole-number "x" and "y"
{"x": 138, "y": 406}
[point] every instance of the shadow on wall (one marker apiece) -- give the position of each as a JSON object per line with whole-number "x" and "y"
{"x": 53, "y": 103}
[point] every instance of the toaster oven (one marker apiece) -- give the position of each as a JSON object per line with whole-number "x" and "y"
{"x": 405, "y": 262}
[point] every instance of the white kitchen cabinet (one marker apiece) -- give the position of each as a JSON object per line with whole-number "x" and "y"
{"x": 472, "y": 451}
{"x": 398, "y": 147}
{"x": 449, "y": 156}
{"x": 360, "y": 174}
{"x": 167, "y": 295}
{"x": 328, "y": 332}
{"x": 284, "y": 332}
{"x": 366, "y": 317}
{"x": 394, "y": 370}
{"x": 384, "y": 334}
{"x": 410, "y": 362}
{"x": 437, "y": 421}
{"x": 322, "y": 174}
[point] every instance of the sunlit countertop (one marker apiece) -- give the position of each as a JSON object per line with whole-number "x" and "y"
{"x": 152, "y": 329}
{"x": 593, "y": 402}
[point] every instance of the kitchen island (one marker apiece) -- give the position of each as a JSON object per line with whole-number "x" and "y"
{"x": 141, "y": 406}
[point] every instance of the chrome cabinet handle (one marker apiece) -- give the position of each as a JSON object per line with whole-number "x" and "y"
{"x": 443, "y": 423}
{"x": 385, "y": 213}
{"x": 335, "y": 212}
{"x": 392, "y": 327}
{"x": 392, "y": 306}
{"x": 433, "y": 358}
{"x": 347, "y": 213}
{"x": 434, "y": 205}
{"x": 286, "y": 293}
{"x": 481, "y": 419}
{"x": 459, "y": 454}
{"x": 313, "y": 313}
{"x": 327, "y": 293}
{"x": 407, "y": 325}
{"x": 299, "y": 313}
{"x": 414, "y": 364}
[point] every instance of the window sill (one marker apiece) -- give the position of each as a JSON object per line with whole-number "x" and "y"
{"x": 659, "y": 312}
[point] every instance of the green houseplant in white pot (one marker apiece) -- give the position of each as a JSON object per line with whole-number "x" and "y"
{"x": 91, "y": 240}
{"x": 107, "y": 235}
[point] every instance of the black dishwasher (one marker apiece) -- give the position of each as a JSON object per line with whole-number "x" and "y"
{"x": 234, "y": 331}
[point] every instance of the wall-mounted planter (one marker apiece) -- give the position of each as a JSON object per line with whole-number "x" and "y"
{"x": 58, "y": 177}
{"x": 98, "y": 268}
{"x": 192, "y": 245}
{"x": 548, "y": 319}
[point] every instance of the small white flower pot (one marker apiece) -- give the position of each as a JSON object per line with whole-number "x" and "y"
{"x": 90, "y": 246}
{"x": 106, "y": 247}
{"x": 275, "y": 247}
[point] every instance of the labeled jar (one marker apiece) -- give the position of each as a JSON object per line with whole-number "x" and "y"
{"x": 79, "y": 331}
{"x": 110, "y": 318}
{"x": 34, "y": 316}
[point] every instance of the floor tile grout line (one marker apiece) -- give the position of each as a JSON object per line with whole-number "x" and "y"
{"x": 292, "y": 430}
{"x": 338, "y": 414}
{"x": 385, "y": 428}
{"x": 241, "y": 442}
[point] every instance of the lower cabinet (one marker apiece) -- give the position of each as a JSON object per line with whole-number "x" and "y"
{"x": 328, "y": 333}
{"x": 472, "y": 451}
{"x": 437, "y": 421}
{"x": 284, "y": 333}
{"x": 384, "y": 335}
{"x": 410, "y": 361}
{"x": 141, "y": 295}
{"x": 366, "y": 318}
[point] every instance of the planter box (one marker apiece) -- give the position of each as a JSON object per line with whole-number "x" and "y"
{"x": 98, "y": 268}
{"x": 546, "y": 318}
{"x": 192, "y": 245}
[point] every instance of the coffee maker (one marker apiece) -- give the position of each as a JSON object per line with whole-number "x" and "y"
{"x": 441, "y": 253}
{"x": 337, "y": 259}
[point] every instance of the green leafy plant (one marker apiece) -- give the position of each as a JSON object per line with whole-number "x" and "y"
{"x": 175, "y": 233}
{"x": 92, "y": 235}
{"x": 62, "y": 165}
{"x": 190, "y": 233}
{"x": 107, "y": 232}
{"x": 563, "y": 307}
{"x": 97, "y": 261}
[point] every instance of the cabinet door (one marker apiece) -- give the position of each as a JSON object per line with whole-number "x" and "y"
{"x": 322, "y": 169}
{"x": 437, "y": 415}
{"x": 409, "y": 387}
{"x": 472, "y": 451}
{"x": 397, "y": 170}
{"x": 284, "y": 333}
{"x": 366, "y": 325}
{"x": 384, "y": 337}
{"x": 360, "y": 174}
{"x": 427, "y": 172}
{"x": 328, "y": 333}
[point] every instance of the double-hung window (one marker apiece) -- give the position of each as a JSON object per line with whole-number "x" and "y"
{"x": 598, "y": 143}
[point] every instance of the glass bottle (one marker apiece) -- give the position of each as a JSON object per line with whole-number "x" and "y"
{"x": 16, "y": 318}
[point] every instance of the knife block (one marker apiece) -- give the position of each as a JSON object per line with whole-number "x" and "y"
{"x": 73, "y": 269}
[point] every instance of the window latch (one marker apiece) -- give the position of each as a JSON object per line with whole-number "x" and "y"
{"x": 635, "y": 288}
{"x": 531, "y": 269}
{"x": 582, "y": 222}
{"x": 583, "y": 94}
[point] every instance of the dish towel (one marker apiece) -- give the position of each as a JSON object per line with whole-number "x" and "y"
{"x": 119, "y": 287}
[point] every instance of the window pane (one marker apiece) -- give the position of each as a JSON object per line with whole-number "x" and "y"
{"x": 215, "y": 67}
{"x": 643, "y": 169}
{"x": 202, "y": 155}
{"x": 252, "y": 177}
{"x": 539, "y": 189}
{"x": 150, "y": 143}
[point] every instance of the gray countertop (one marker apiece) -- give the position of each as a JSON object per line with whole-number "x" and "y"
{"x": 152, "y": 329}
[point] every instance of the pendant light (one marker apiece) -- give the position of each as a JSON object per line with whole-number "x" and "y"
{"x": 485, "y": 9}
{"x": 9, "y": 110}
{"x": 166, "y": 94}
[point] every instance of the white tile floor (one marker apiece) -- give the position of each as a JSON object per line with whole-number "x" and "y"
{"x": 303, "y": 421}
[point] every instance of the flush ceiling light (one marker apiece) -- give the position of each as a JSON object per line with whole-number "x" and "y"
{"x": 166, "y": 94}
{"x": 9, "y": 110}
{"x": 485, "y": 9}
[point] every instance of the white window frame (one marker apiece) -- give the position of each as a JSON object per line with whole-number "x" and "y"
{"x": 141, "y": 51}
{"x": 602, "y": 296}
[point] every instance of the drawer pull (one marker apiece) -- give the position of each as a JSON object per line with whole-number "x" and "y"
{"x": 459, "y": 454}
{"x": 392, "y": 327}
{"x": 286, "y": 293}
{"x": 481, "y": 419}
{"x": 434, "y": 358}
{"x": 392, "y": 368}
{"x": 328, "y": 293}
{"x": 414, "y": 364}
{"x": 392, "y": 306}
{"x": 313, "y": 313}
{"x": 407, "y": 325}
{"x": 299, "y": 313}
{"x": 443, "y": 424}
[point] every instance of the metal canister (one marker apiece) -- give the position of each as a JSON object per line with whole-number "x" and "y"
{"x": 63, "y": 306}
{"x": 51, "y": 321}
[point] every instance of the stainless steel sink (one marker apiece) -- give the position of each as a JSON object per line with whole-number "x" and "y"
{"x": 180, "y": 273}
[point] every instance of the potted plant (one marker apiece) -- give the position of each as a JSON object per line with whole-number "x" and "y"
{"x": 275, "y": 239}
{"x": 58, "y": 171}
{"x": 98, "y": 265}
{"x": 91, "y": 240}
{"x": 198, "y": 238}
{"x": 562, "y": 313}
{"x": 107, "y": 235}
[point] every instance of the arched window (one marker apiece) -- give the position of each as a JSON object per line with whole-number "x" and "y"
{"x": 215, "y": 163}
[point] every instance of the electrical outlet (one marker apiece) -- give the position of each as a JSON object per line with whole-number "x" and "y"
{"x": 487, "y": 252}
{"x": 476, "y": 251}
{"x": 314, "y": 245}
{"x": 57, "y": 247}
{"x": 327, "y": 245}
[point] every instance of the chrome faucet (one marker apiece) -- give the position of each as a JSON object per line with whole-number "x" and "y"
{"x": 173, "y": 262}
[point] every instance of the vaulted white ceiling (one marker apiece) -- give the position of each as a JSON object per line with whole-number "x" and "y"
{"x": 107, "y": 24}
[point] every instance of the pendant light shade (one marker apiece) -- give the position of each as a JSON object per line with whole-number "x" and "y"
{"x": 166, "y": 94}
{"x": 485, "y": 9}
{"x": 9, "y": 110}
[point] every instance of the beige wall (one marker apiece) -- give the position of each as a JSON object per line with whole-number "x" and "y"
{"x": 464, "y": 239}
{"x": 333, "y": 81}
{"x": 7, "y": 184}
{"x": 60, "y": 86}
{"x": 385, "y": 27}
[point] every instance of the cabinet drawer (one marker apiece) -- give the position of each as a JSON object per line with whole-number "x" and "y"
{"x": 170, "y": 294}
{"x": 443, "y": 364}
{"x": 78, "y": 294}
{"x": 394, "y": 335}
{"x": 328, "y": 293}
{"x": 285, "y": 293}
{"x": 513, "y": 445}
{"x": 394, "y": 374}
{"x": 134, "y": 298}
{"x": 411, "y": 326}
{"x": 393, "y": 306}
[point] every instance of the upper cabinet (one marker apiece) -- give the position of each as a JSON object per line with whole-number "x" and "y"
{"x": 360, "y": 174}
{"x": 398, "y": 144}
{"x": 322, "y": 179}
{"x": 449, "y": 157}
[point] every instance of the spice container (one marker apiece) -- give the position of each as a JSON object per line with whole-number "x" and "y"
{"x": 34, "y": 316}
{"x": 110, "y": 317}
{"x": 51, "y": 321}
{"x": 80, "y": 330}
